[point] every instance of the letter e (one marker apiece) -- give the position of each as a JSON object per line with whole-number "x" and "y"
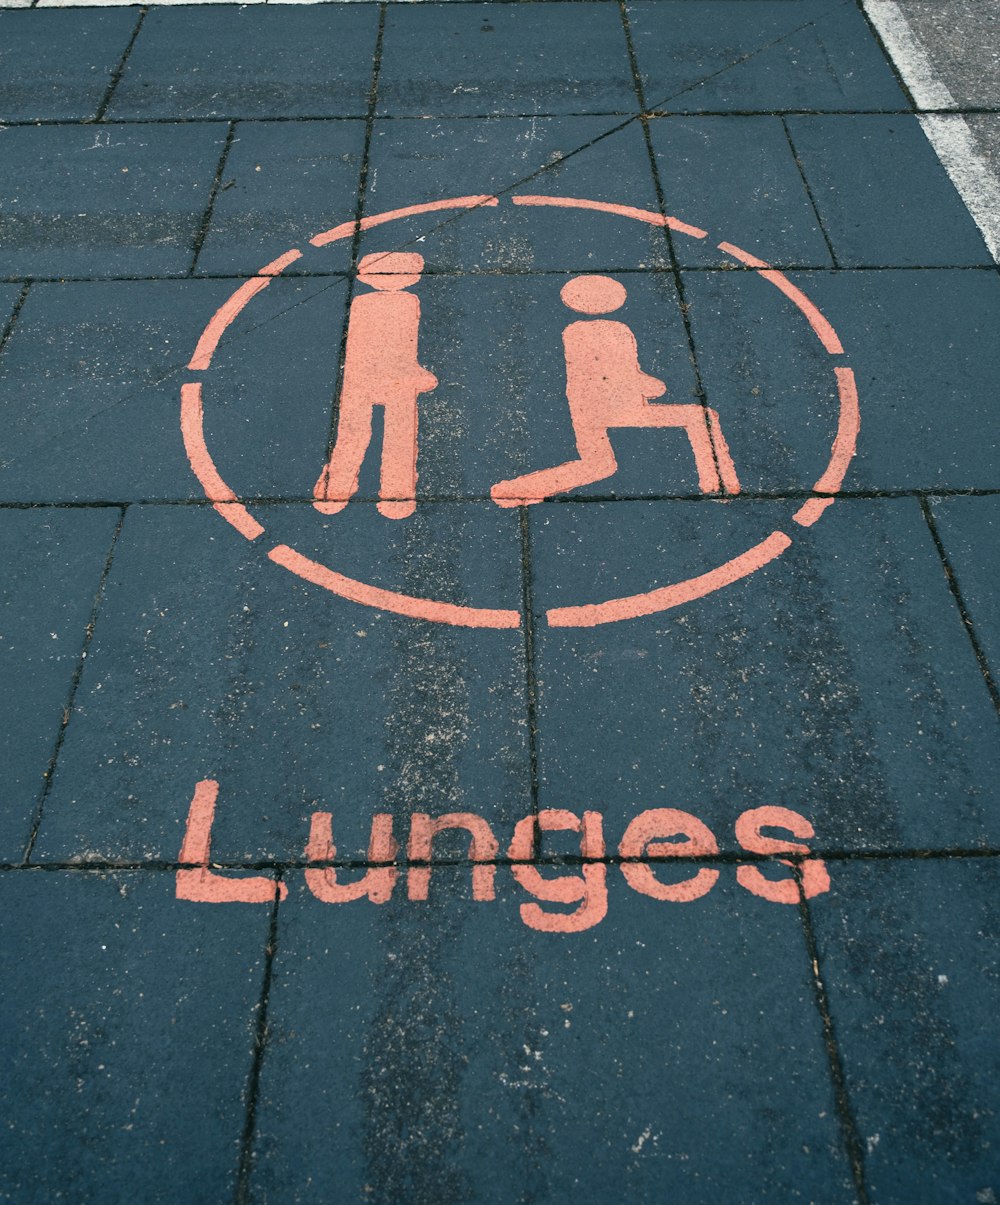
{"x": 643, "y": 838}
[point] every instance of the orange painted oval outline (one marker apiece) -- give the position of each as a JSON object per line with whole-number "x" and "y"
{"x": 649, "y": 602}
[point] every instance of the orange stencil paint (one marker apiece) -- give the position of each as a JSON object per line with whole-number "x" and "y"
{"x": 589, "y": 889}
{"x": 815, "y": 880}
{"x": 656, "y": 836}
{"x": 204, "y": 886}
{"x": 376, "y": 884}
{"x": 607, "y": 390}
{"x": 380, "y": 369}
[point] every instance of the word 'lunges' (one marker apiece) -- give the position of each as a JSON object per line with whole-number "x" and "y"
{"x": 660, "y": 833}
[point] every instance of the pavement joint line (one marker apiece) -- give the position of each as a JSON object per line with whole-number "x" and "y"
{"x": 651, "y": 270}
{"x": 963, "y": 610}
{"x": 552, "y": 861}
{"x": 119, "y": 70}
{"x": 680, "y": 114}
{"x": 850, "y": 1135}
{"x": 530, "y": 677}
{"x": 809, "y": 193}
{"x": 8, "y": 328}
{"x": 653, "y": 114}
{"x": 67, "y": 714}
{"x": 359, "y": 213}
{"x": 699, "y": 383}
{"x": 930, "y": 492}
{"x": 206, "y": 220}
{"x": 244, "y": 1169}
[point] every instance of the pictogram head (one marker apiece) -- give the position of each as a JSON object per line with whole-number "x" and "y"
{"x": 593, "y": 294}
{"x": 390, "y": 271}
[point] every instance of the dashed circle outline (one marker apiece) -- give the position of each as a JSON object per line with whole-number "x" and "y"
{"x": 649, "y": 602}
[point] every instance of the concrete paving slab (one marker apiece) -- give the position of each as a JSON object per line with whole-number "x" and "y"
{"x": 737, "y": 177}
{"x": 113, "y": 201}
{"x": 925, "y": 360}
{"x": 380, "y": 715}
{"x": 230, "y": 61}
{"x": 637, "y": 1059}
{"x": 837, "y": 682}
{"x": 970, "y": 532}
{"x": 103, "y": 364}
{"x": 269, "y": 441}
{"x": 283, "y": 182}
{"x": 761, "y": 55}
{"x": 54, "y": 562}
{"x": 476, "y": 59}
{"x": 908, "y": 955}
{"x": 128, "y": 1033}
{"x": 410, "y": 159}
{"x": 882, "y": 195}
{"x": 59, "y": 67}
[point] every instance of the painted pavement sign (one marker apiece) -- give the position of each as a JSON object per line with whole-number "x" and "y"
{"x": 499, "y": 644}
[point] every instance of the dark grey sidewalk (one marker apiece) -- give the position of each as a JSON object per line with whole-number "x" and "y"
{"x": 728, "y": 757}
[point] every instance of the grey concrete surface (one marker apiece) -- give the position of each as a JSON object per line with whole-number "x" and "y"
{"x": 962, "y": 40}
{"x": 986, "y": 128}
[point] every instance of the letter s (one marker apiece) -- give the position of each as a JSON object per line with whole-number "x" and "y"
{"x": 815, "y": 880}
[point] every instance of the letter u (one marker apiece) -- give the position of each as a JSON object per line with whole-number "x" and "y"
{"x": 377, "y": 882}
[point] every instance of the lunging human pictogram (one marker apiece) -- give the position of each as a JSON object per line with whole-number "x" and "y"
{"x": 380, "y": 369}
{"x": 606, "y": 388}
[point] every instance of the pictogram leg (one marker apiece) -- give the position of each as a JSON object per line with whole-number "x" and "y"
{"x": 398, "y": 483}
{"x": 339, "y": 480}
{"x": 596, "y": 462}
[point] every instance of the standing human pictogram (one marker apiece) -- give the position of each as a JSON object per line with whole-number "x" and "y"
{"x": 606, "y": 388}
{"x": 380, "y": 369}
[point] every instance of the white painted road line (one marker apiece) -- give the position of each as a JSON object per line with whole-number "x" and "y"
{"x": 948, "y": 133}
{"x": 951, "y": 137}
{"x": 909, "y": 56}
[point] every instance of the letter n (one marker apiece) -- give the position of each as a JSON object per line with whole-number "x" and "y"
{"x": 483, "y": 849}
